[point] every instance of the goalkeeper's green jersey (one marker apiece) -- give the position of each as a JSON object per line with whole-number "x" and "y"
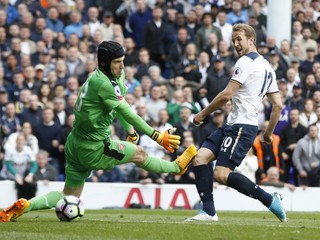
{"x": 94, "y": 108}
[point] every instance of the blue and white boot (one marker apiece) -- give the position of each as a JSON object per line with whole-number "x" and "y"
{"x": 277, "y": 208}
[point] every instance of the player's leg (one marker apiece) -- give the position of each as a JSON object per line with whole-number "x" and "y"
{"x": 204, "y": 176}
{"x": 236, "y": 144}
{"x": 120, "y": 152}
{"x": 204, "y": 183}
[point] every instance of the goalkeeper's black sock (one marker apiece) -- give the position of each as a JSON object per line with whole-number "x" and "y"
{"x": 204, "y": 184}
{"x": 243, "y": 185}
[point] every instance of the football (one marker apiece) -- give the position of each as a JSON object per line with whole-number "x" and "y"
{"x": 69, "y": 208}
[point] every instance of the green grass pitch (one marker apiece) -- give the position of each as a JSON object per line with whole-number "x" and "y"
{"x": 162, "y": 225}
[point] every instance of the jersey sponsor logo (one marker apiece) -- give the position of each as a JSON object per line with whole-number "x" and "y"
{"x": 118, "y": 92}
{"x": 237, "y": 72}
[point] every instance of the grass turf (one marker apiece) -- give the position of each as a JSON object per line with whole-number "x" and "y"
{"x": 164, "y": 225}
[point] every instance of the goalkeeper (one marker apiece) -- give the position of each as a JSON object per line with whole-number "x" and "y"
{"x": 89, "y": 147}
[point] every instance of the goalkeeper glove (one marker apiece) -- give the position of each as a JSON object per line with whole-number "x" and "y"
{"x": 134, "y": 138}
{"x": 166, "y": 139}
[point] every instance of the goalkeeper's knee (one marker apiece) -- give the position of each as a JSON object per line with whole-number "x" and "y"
{"x": 139, "y": 155}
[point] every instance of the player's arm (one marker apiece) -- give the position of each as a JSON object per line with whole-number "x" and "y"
{"x": 165, "y": 139}
{"x": 276, "y": 102}
{"x": 217, "y": 102}
{"x": 133, "y": 136}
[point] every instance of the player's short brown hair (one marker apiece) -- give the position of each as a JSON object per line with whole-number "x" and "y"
{"x": 248, "y": 31}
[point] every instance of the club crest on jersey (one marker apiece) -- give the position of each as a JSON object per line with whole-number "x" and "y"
{"x": 118, "y": 92}
{"x": 120, "y": 146}
{"x": 237, "y": 72}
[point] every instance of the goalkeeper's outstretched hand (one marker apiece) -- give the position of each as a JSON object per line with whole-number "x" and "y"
{"x": 134, "y": 138}
{"x": 166, "y": 139}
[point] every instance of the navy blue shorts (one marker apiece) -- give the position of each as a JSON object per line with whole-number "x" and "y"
{"x": 230, "y": 143}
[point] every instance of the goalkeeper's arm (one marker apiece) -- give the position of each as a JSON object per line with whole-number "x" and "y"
{"x": 133, "y": 136}
{"x": 165, "y": 139}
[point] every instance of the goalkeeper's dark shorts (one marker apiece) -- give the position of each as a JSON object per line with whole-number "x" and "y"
{"x": 83, "y": 156}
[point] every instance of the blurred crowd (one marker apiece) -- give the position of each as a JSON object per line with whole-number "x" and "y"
{"x": 179, "y": 56}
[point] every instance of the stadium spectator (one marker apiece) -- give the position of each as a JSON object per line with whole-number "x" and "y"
{"x": 33, "y": 113}
{"x": 154, "y": 33}
{"x": 188, "y": 67}
{"x": 155, "y": 103}
{"x": 93, "y": 19}
{"x": 17, "y": 159}
{"x": 27, "y": 45}
{"x": 213, "y": 48}
{"x": 30, "y": 140}
{"x": 260, "y": 29}
{"x": 62, "y": 72}
{"x": 214, "y": 122}
{"x": 141, "y": 108}
{"x": 143, "y": 91}
{"x": 29, "y": 81}
{"x": 296, "y": 31}
{"x": 131, "y": 82}
{"x": 275, "y": 64}
{"x": 138, "y": 20}
{"x": 154, "y": 72}
{"x": 39, "y": 26}
{"x": 75, "y": 25}
{"x": 107, "y": 26}
{"x": 132, "y": 54}
{"x": 185, "y": 125}
{"x": 9, "y": 122}
{"x": 45, "y": 172}
{"x": 217, "y": 79}
{"x": 75, "y": 66}
{"x": 177, "y": 50}
{"x": 225, "y": 28}
{"x": 291, "y": 81}
{"x": 306, "y": 158}
{"x": 308, "y": 116}
{"x": 144, "y": 63}
{"x": 237, "y": 14}
{"x": 273, "y": 179}
{"x": 307, "y": 64}
{"x": 71, "y": 101}
{"x": 306, "y": 42}
{"x": 203, "y": 32}
{"x": 296, "y": 101}
{"x": 52, "y": 20}
{"x": 249, "y": 166}
{"x": 72, "y": 86}
{"x": 268, "y": 154}
{"x": 11, "y": 11}
{"x": 60, "y": 114}
{"x": 45, "y": 94}
{"x": 289, "y": 136}
{"x": 47, "y": 133}
{"x": 284, "y": 54}
{"x": 3, "y": 101}
{"x": 284, "y": 119}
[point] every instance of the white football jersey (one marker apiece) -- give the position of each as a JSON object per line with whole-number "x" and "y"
{"x": 256, "y": 78}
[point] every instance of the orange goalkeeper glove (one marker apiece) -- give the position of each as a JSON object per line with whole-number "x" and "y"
{"x": 166, "y": 139}
{"x": 134, "y": 138}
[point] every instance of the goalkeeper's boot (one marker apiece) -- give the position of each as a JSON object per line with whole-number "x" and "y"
{"x": 202, "y": 216}
{"x": 277, "y": 208}
{"x": 14, "y": 211}
{"x": 185, "y": 159}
